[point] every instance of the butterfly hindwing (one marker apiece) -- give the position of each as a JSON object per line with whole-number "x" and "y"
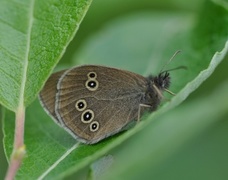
{"x": 94, "y": 102}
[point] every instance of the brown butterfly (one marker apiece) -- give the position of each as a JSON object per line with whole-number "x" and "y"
{"x": 93, "y": 102}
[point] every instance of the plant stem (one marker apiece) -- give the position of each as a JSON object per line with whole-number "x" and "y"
{"x": 19, "y": 147}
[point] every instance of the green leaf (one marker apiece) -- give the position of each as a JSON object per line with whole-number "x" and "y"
{"x": 142, "y": 43}
{"x": 33, "y": 37}
{"x": 99, "y": 167}
{"x": 165, "y": 135}
{"x": 222, "y": 3}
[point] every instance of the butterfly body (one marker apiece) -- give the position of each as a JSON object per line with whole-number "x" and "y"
{"x": 94, "y": 102}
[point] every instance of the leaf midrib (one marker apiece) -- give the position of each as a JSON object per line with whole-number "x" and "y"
{"x": 24, "y": 73}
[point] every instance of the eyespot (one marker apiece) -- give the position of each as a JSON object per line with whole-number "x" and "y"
{"x": 81, "y": 105}
{"x": 92, "y": 75}
{"x": 92, "y": 85}
{"x": 94, "y": 126}
{"x": 87, "y": 116}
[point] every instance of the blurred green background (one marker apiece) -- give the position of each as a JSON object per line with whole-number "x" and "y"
{"x": 208, "y": 149}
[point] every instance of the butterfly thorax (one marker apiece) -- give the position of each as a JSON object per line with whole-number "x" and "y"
{"x": 156, "y": 86}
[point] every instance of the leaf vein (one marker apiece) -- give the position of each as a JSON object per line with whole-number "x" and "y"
{"x": 10, "y": 77}
{"x": 9, "y": 54}
{"x": 10, "y": 25}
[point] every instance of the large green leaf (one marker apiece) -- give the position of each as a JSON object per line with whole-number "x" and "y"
{"x": 165, "y": 135}
{"x": 33, "y": 37}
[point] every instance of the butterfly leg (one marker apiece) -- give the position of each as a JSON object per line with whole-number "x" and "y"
{"x": 139, "y": 111}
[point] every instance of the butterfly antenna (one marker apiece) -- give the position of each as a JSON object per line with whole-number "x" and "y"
{"x": 179, "y": 67}
{"x": 174, "y": 55}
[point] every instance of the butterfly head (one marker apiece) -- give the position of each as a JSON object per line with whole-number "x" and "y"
{"x": 162, "y": 81}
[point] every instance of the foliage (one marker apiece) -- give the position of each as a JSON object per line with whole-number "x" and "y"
{"x": 140, "y": 40}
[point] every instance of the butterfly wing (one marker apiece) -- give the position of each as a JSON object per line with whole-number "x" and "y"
{"x": 47, "y": 95}
{"x": 94, "y": 102}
